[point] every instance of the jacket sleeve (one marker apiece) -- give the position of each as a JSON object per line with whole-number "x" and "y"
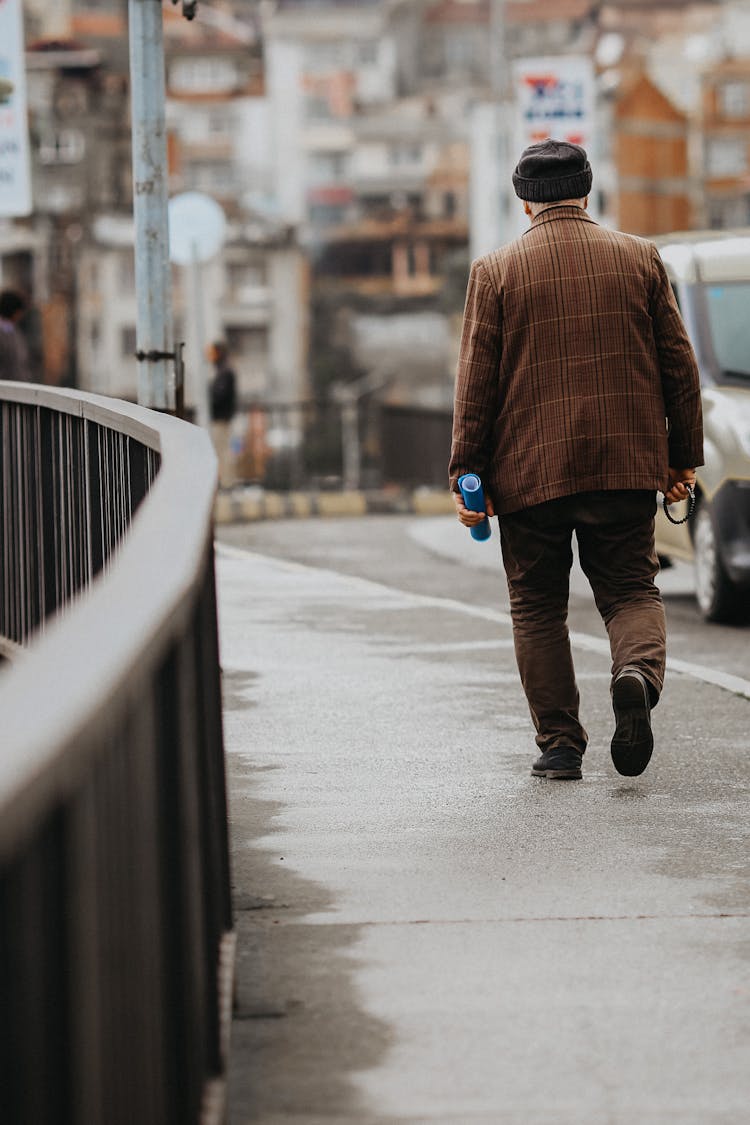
{"x": 679, "y": 374}
{"x": 476, "y": 396}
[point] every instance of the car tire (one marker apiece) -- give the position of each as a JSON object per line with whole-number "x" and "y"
{"x": 717, "y": 596}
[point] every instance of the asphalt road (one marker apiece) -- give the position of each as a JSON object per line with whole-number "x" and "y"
{"x": 426, "y": 933}
{"x": 438, "y": 556}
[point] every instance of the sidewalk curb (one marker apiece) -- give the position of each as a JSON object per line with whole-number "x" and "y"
{"x": 242, "y": 507}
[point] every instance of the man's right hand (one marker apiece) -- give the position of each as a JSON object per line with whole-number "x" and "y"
{"x": 679, "y": 479}
{"x": 466, "y": 516}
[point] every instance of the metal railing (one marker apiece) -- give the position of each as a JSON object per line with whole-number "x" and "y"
{"x": 115, "y": 909}
{"x": 69, "y": 487}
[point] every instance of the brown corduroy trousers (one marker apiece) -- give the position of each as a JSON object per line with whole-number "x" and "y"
{"x": 615, "y": 534}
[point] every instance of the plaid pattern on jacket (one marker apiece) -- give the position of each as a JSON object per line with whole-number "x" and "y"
{"x": 574, "y": 358}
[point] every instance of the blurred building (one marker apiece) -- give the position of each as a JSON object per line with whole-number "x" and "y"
{"x": 725, "y": 135}
{"x": 376, "y": 174}
{"x": 80, "y": 154}
{"x": 254, "y": 292}
{"x": 217, "y": 114}
{"x": 80, "y": 146}
{"x": 651, "y": 157}
{"x": 247, "y": 302}
{"x": 221, "y": 143}
{"x": 354, "y": 146}
{"x": 681, "y": 123}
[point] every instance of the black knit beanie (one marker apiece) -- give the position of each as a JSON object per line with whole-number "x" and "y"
{"x": 552, "y": 170}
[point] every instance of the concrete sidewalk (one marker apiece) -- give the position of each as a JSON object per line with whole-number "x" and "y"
{"x": 426, "y": 933}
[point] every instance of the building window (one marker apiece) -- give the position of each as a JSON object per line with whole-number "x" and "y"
{"x": 327, "y": 214}
{"x": 726, "y": 157}
{"x": 724, "y": 214}
{"x": 218, "y": 121}
{"x": 404, "y": 155}
{"x": 247, "y": 281}
{"x": 203, "y": 75}
{"x": 368, "y": 52}
{"x": 734, "y": 99}
{"x": 328, "y": 167}
{"x": 63, "y": 146}
{"x": 210, "y": 124}
{"x": 214, "y": 179}
{"x": 317, "y": 108}
{"x": 326, "y": 56}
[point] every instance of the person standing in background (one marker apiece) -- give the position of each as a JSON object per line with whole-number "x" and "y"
{"x": 14, "y": 355}
{"x": 223, "y": 398}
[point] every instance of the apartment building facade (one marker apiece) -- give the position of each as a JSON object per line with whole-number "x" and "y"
{"x": 340, "y": 139}
{"x": 725, "y": 144}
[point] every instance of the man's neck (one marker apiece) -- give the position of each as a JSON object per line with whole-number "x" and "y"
{"x": 561, "y": 203}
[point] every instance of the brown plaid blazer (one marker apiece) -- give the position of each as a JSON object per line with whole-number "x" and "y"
{"x": 573, "y": 360}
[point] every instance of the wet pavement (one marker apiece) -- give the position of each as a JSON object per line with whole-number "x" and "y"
{"x": 426, "y": 933}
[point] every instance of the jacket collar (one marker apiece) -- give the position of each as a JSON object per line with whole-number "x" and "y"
{"x": 560, "y": 211}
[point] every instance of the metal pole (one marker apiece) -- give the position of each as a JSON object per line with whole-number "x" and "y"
{"x": 350, "y": 441}
{"x": 153, "y": 282}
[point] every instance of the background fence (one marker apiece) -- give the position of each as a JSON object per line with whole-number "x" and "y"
{"x": 300, "y": 445}
{"x": 115, "y": 911}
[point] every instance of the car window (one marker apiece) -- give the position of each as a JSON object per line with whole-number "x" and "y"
{"x": 729, "y": 323}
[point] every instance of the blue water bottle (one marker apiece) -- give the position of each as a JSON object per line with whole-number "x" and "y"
{"x": 473, "y": 494}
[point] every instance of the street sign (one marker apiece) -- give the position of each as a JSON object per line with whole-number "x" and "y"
{"x": 197, "y": 227}
{"x": 555, "y": 97}
{"x": 15, "y": 173}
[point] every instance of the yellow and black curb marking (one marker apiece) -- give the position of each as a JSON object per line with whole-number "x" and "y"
{"x": 239, "y": 507}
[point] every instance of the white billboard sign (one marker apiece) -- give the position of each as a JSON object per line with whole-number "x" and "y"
{"x": 555, "y": 97}
{"x": 15, "y": 174}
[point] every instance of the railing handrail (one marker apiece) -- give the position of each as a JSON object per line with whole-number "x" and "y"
{"x": 92, "y": 657}
{"x": 134, "y": 421}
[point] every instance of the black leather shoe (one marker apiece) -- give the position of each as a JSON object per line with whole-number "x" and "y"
{"x": 633, "y": 741}
{"x": 562, "y": 764}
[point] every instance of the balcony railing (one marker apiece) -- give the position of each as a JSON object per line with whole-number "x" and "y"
{"x": 115, "y": 911}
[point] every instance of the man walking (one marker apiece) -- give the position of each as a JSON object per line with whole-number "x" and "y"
{"x": 577, "y": 398}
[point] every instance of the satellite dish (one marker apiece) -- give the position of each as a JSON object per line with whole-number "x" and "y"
{"x": 197, "y": 227}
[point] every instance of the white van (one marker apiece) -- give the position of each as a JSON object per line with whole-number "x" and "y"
{"x": 710, "y": 273}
